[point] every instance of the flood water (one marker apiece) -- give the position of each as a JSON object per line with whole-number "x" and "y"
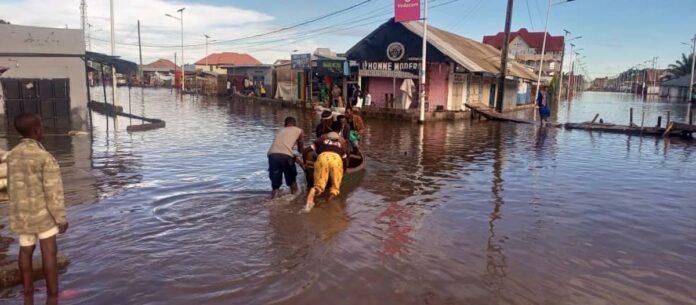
{"x": 446, "y": 213}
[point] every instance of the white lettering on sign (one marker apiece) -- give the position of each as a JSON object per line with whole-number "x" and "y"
{"x": 390, "y": 66}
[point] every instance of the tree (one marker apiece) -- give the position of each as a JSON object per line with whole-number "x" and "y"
{"x": 2, "y": 21}
{"x": 682, "y": 66}
{"x": 553, "y": 87}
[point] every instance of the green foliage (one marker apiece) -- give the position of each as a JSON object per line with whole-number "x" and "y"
{"x": 682, "y": 66}
{"x": 2, "y": 21}
{"x": 554, "y": 86}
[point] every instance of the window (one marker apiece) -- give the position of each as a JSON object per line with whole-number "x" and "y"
{"x": 552, "y": 65}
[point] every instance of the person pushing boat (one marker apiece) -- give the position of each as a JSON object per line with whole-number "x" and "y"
{"x": 331, "y": 162}
{"x": 281, "y": 160}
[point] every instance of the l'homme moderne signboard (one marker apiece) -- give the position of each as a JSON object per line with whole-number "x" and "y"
{"x": 394, "y": 67}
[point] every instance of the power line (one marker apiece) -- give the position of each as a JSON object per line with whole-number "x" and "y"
{"x": 529, "y": 12}
{"x": 322, "y": 17}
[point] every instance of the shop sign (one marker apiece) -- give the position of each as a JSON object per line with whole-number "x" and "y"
{"x": 406, "y": 10}
{"x": 300, "y": 61}
{"x": 409, "y": 67}
{"x": 330, "y": 67}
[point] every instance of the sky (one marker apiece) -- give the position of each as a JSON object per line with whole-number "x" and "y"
{"x": 616, "y": 34}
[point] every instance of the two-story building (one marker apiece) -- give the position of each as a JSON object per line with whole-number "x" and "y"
{"x": 525, "y": 47}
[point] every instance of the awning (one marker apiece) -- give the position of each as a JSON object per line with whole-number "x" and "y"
{"x": 121, "y": 65}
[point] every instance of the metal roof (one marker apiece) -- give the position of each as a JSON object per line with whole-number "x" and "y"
{"x": 472, "y": 55}
{"x": 121, "y": 65}
{"x": 678, "y": 82}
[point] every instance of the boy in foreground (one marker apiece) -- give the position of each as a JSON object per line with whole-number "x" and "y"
{"x": 37, "y": 209}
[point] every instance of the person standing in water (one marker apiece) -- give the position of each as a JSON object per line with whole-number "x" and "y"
{"x": 37, "y": 205}
{"x": 281, "y": 160}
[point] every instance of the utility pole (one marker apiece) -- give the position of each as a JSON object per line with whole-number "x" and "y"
{"x": 183, "y": 71}
{"x": 570, "y": 75}
{"x": 693, "y": 65}
{"x": 89, "y": 37}
{"x": 113, "y": 30}
{"x": 206, "y": 49}
{"x": 84, "y": 23}
{"x": 543, "y": 51}
{"x": 560, "y": 88}
{"x": 140, "y": 54}
{"x": 655, "y": 74}
{"x": 421, "y": 116}
{"x": 114, "y": 81}
{"x": 503, "y": 59}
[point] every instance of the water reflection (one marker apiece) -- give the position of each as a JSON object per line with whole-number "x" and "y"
{"x": 446, "y": 213}
{"x": 496, "y": 262}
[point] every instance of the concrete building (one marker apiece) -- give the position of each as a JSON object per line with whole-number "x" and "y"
{"x": 304, "y": 80}
{"x": 459, "y": 70}
{"x": 46, "y": 75}
{"x": 215, "y": 61}
{"x": 525, "y": 47}
{"x": 677, "y": 88}
{"x": 600, "y": 84}
{"x": 159, "y": 73}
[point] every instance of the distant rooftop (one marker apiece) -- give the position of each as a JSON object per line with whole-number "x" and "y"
{"x": 228, "y": 58}
{"x": 533, "y": 39}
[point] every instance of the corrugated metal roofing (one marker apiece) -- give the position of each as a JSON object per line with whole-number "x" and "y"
{"x": 471, "y": 54}
{"x": 678, "y": 82}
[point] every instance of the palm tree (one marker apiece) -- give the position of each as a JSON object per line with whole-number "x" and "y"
{"x": 682, "y": 66}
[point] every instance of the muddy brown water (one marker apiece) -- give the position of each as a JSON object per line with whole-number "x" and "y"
{"x": 446, "y": 213}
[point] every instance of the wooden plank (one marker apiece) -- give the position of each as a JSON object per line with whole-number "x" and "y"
{"x": 684, "y": 127}
{"x": 495, "y": 116}
{"x": 668, "y": 129}
{"x": 145, "y": 127}
{"x": 595, "y": 118}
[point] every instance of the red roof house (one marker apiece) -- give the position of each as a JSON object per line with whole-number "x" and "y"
{"x": 160, "y": 65}
{"x": 533, "y": 39}
{"x": 228, "y": 58}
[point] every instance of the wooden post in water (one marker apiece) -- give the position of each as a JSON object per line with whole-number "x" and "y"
{"x": 595, "y": 118}
{"x": 691, "y": 117}
{"x": 642, "y": 120}
{"x": 659, "y": 122}
{"x": 630, "y": 118}
{"x": 669, "y": 113}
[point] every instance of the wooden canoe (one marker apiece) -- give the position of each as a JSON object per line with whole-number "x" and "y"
{"x": 355, "y": 165}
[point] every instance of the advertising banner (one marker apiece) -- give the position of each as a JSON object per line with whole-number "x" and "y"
{"x": 406, "y": 10}
{"x": 300, "y": 61}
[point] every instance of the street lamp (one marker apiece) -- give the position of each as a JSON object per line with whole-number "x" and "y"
{"x": 560, "y": 88}
{"x": 181, "y": 20}
{"x": 572, "y": 68}
{"x": 206, "y": 49}
{"x": 693, "y": 65}
{"x": 543, "y": 45}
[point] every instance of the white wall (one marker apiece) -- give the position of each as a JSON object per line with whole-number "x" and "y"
{"x": 45, "y": 53}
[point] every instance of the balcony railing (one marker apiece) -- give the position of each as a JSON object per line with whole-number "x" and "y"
{"x": 537, "y": 57}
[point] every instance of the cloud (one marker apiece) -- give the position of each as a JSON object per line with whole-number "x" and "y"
{"x": 218, "y": 21}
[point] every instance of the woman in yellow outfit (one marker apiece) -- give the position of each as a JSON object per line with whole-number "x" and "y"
{"x": 330, "y": 164}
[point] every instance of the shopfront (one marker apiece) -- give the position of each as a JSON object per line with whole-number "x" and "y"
{"x": 458, "y": 70}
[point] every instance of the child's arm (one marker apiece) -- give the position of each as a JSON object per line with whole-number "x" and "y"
{"x": 53, "y": 191}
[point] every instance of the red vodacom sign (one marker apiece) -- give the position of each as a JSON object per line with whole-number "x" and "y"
{"x": 406, "y": 10}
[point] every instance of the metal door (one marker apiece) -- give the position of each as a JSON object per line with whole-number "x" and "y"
{"x": 50, "y": 98}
